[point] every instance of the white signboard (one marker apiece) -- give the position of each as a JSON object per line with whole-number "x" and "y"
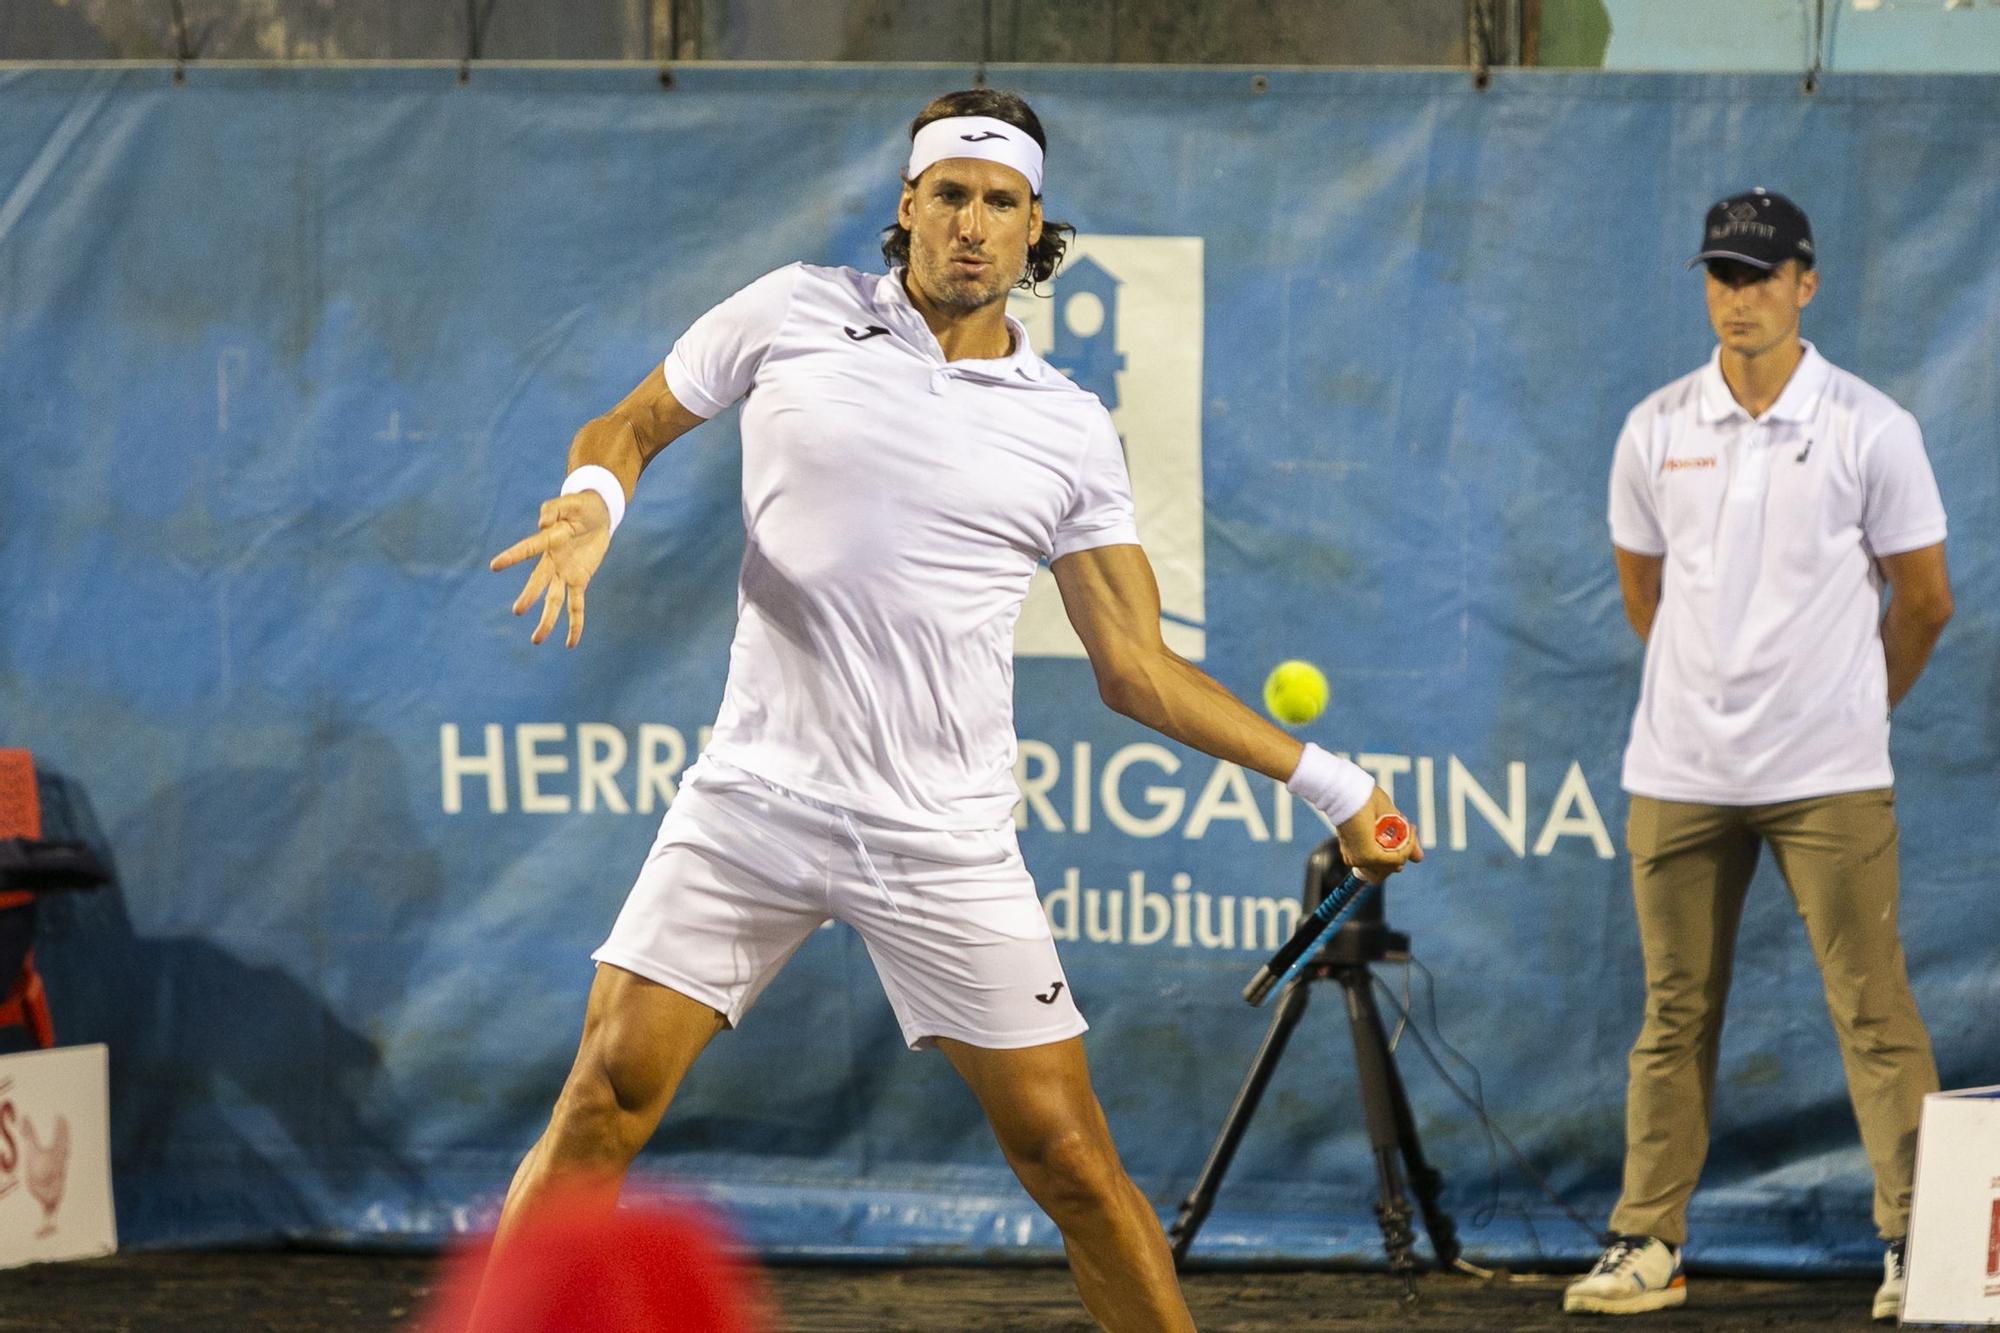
{"x": 55, "y": 1156}
{"x": 1954, "y": 1254}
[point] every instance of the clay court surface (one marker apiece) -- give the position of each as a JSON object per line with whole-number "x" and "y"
{"x": 320, "y": 1293}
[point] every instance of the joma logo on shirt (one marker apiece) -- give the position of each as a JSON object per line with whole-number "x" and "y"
{"x": 1687, "y": 464}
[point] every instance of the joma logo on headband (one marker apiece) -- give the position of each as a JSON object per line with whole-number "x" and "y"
{"x": 982, "y": 136}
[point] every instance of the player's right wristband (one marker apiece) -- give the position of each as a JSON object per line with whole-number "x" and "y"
{"x": 1331, "y": 785}
{"x": 602, "y": 481}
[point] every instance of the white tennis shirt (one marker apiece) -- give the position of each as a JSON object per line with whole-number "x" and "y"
{"x": 895, "y": 506}
{"x": 1764, "y": 677}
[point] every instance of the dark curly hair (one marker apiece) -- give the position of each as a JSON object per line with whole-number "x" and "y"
{"x": 1045, "y": 256}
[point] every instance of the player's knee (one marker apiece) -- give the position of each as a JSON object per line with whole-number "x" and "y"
{"x": 596, "y": 1121}
{"x": 1070, "y": 1171}
{"x": 584, "y": 1128}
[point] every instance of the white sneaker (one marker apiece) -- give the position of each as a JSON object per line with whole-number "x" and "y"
{"x": 1633, "y": 1275}
{"x": 1889, "y": 1296}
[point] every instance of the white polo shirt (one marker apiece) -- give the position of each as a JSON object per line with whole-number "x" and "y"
{"x": 1764, "y": 677}
{"x": 895, "y": 507}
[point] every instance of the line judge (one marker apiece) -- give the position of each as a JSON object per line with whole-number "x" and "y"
{"x": 1758, "y": 508}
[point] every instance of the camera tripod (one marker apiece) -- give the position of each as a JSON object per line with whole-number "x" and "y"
{"x": 1392, "y": 1134}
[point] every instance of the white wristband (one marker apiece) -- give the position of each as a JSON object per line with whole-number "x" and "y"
{"x": 591, "y": 477}
{"x": 1332, "y": 785}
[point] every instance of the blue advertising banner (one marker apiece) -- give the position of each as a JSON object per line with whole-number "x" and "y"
{"x": 285, "y": 356}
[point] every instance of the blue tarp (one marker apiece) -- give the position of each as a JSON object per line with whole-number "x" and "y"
{"x": 285, "y": 355}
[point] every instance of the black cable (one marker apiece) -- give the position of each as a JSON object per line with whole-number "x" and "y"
{"x": 985, "y": 42}
{"x": 184, "y": 49}
{"x": 1482, "y": 36}
{"x": 1483, "y": 40}
{"x": 1476, "y": 1100}
{"x": 1818, "y": 46}
{"x": 476, "y": 22}
{"x": 1406, "y": 1022}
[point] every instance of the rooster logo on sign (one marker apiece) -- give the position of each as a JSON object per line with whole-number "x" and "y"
{"x": 48, "y": 1168}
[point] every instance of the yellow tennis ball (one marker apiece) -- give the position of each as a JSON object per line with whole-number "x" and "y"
{"x": 1295, "y": 692}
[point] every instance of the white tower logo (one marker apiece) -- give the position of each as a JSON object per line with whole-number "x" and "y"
{"x": 1124, "y": 320}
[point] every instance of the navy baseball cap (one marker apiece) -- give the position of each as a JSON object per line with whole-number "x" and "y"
{"x": 1758, "y": 228}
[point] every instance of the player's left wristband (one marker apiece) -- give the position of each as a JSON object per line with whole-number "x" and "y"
{"x": 1334, "y": 786}
{"x": 601, "y": 480}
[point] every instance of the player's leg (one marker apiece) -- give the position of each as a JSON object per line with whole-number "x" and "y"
{"x": 1691, "y": 867}
{"x": 1052, "y": 1131}
{"x": 639, "y": 1040}
{"x": 734, "y": 884}
{"x": 1838, "y": 854}
{"x": 963, "y": 948}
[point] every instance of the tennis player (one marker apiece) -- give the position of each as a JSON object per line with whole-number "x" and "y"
{"x": 1758, "y": 508}
{"x": 908, "y": 460}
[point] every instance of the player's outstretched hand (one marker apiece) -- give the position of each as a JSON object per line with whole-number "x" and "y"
{"x": 1364, "y": 853}
{"x": 575, "y": 532}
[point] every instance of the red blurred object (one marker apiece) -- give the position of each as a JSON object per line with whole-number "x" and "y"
{"x": 27, "y": 1005}
{"x": 22, "y": 1000}
{"x": 20, "y": 807}
{"x": 570, "y": 1265}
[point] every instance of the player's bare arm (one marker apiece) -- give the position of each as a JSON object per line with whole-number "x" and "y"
{"x": 574, "y": 531}
{"x": 1919, "y": 606}
{"x": 1113, "y": 602}
{"x": 1639, "y": 584}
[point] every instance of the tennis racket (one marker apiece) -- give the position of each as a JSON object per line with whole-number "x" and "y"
{"x": 1391, "y": 831}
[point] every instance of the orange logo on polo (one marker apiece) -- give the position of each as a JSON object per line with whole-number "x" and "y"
{"x": 1688, "y": 464}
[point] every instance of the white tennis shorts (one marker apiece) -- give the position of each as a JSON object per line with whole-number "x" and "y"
{"x": 744, "y": 870}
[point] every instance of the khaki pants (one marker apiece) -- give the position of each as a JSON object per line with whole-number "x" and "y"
{"x": 1691, "y": 866}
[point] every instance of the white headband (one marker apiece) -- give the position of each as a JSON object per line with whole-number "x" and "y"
{"x": 976, "y": 136}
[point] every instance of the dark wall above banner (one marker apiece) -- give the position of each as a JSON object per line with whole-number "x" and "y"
{"x": 1275, "y": 32}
